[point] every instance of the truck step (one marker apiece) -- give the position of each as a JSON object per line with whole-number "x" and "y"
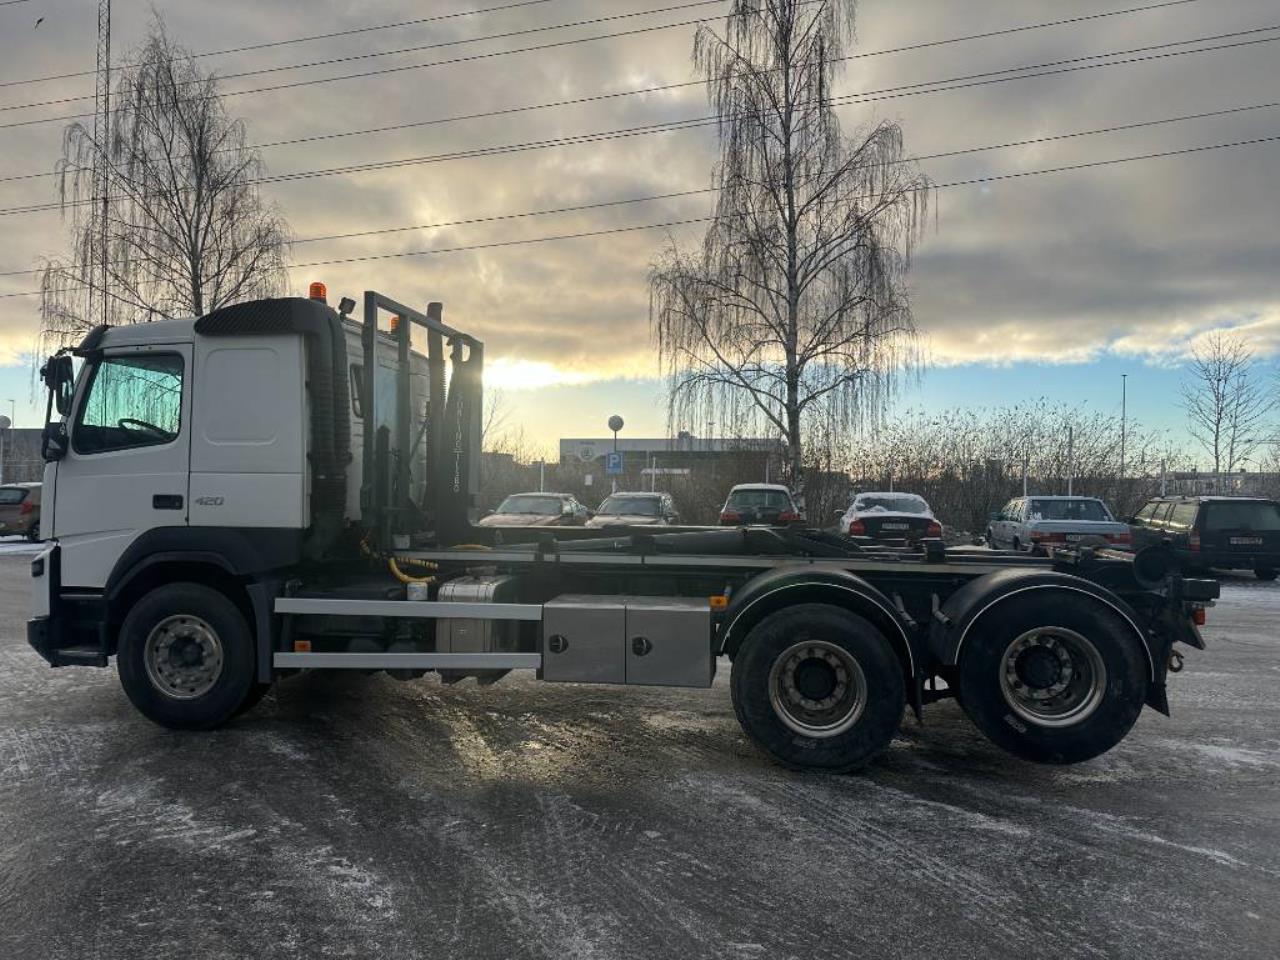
{"x": 80, "y": 657}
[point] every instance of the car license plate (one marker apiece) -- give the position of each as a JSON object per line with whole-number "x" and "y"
{"x": 1246, "y": 541}
{"x": 895, "y": 526}
{"x": 1073, "y": 537}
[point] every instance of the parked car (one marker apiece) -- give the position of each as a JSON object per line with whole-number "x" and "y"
{"x": 890, "y": 516}
{"x": 537, "y": 510}
{"x": 20, "y": 510}
{"x": 770, "y": 504}
{"x": 1034, "y": 524}
{"x": 635, "y": 509}
{"x": 1231, "y": 533}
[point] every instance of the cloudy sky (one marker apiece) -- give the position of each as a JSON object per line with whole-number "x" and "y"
{"x": 1048, "y": 285}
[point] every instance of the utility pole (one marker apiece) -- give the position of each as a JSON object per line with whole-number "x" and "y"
{"x": 1124, "y": 397}
{"x": 101, "y": 225}
{"x": 1071, "y": 456}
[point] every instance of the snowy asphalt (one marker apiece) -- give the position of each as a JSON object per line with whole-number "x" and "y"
{"x": 354, "y": 816}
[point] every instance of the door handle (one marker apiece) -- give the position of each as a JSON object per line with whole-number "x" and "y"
{"x": 167, "y": 501}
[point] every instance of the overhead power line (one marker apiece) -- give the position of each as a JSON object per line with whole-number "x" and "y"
{"x": 573, "y": 42}
{"x": 305, "y": 39}
{"x": 973, "y": 181}
{"x": 577, "y": 208}
{"x": 1071, "y": 65}
{"x": 655, "y": 89}
{"x": 526, "y": 31}
{"x": 529, "y": 3}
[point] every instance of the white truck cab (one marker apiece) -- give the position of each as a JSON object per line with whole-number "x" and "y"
{"x": 158, "y": 441}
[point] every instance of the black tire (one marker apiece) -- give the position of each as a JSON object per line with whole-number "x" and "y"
{"x": 1265, "y": 573}
{"x": 857, "y": 734}
{"x": 190, "y": 613}
{"x": 33, "y": 532}
{"x": 1110, "y": 699}
{"x": 256, "y": 693}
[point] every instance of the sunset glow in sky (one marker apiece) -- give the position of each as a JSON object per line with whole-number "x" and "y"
{"x": 1039, "y": 285}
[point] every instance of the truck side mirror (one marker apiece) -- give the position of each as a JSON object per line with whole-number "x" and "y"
{"x": 53, "y": 442}
{"x": 59, "y": 377}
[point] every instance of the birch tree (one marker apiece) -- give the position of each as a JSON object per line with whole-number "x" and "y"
{"x": 1227, "y": 404}
{"x": 187, "y": 230}
{"x": 796, "y": 303}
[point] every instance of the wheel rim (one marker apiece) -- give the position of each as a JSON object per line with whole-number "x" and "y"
{"x": 817, "y": 688}
{"x": 1052, "y": 676}
{"x": 183, "y": 657}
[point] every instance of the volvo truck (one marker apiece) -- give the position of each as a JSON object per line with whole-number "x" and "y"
{"x": 281, "y": 486}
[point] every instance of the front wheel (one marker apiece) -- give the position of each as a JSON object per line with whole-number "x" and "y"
{"x": 818, "y": 687}
{"x": 1052, "y": 679}
{"x": 185, "y": 657}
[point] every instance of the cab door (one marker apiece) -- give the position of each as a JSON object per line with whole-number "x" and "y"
{"x": 126, "y": 468}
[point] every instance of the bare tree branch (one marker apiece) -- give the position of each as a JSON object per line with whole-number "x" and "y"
{"x": 1227, "y": 405}
{"x": 795, "y": 305}
{"x": 187, "y": 231}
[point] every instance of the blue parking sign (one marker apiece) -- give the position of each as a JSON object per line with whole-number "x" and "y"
{"x": 612, "y": 464}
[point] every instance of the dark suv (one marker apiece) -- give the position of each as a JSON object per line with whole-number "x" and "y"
{"x": 1233, "y": 533}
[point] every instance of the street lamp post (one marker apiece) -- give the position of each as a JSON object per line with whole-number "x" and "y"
{"x": 615, "y": 424}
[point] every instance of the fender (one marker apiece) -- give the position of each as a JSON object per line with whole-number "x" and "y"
{"x": 954, "y": 619}
{"x": 252, "y": 554}
{"x": 240, "y": 551}
{"x": 788, "y": 586}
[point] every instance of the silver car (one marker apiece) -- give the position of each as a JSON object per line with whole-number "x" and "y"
{"x": 635, "y": 510}
{"x": 1034, "y": 524}
{"x": 537, "y": 510}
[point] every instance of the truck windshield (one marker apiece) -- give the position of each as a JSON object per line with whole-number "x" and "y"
{"x": 890, "y": 504}
{"x": 1246, "y": 515}
{"x": 630, "y": 506}
{"x": 523, "y": 503}
{"x": 1068, "y": 510}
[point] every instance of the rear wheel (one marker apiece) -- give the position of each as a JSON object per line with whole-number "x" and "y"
{"x": 1052, "y": 679}
{"x": 185, "y": 657}
{"x": 815, "y": 686}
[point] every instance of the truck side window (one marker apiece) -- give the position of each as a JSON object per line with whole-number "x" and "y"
{"x": 133, "y": 401}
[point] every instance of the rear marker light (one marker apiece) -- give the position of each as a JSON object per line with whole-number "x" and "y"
{"x": 857, "y": 529}
{"x": 1198, "y": 616}
{"x": 718, "y": 602}
{"x": 302, "y": 646}
{"x": 728, "y": 516}
{"x": 934, "y": 529}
